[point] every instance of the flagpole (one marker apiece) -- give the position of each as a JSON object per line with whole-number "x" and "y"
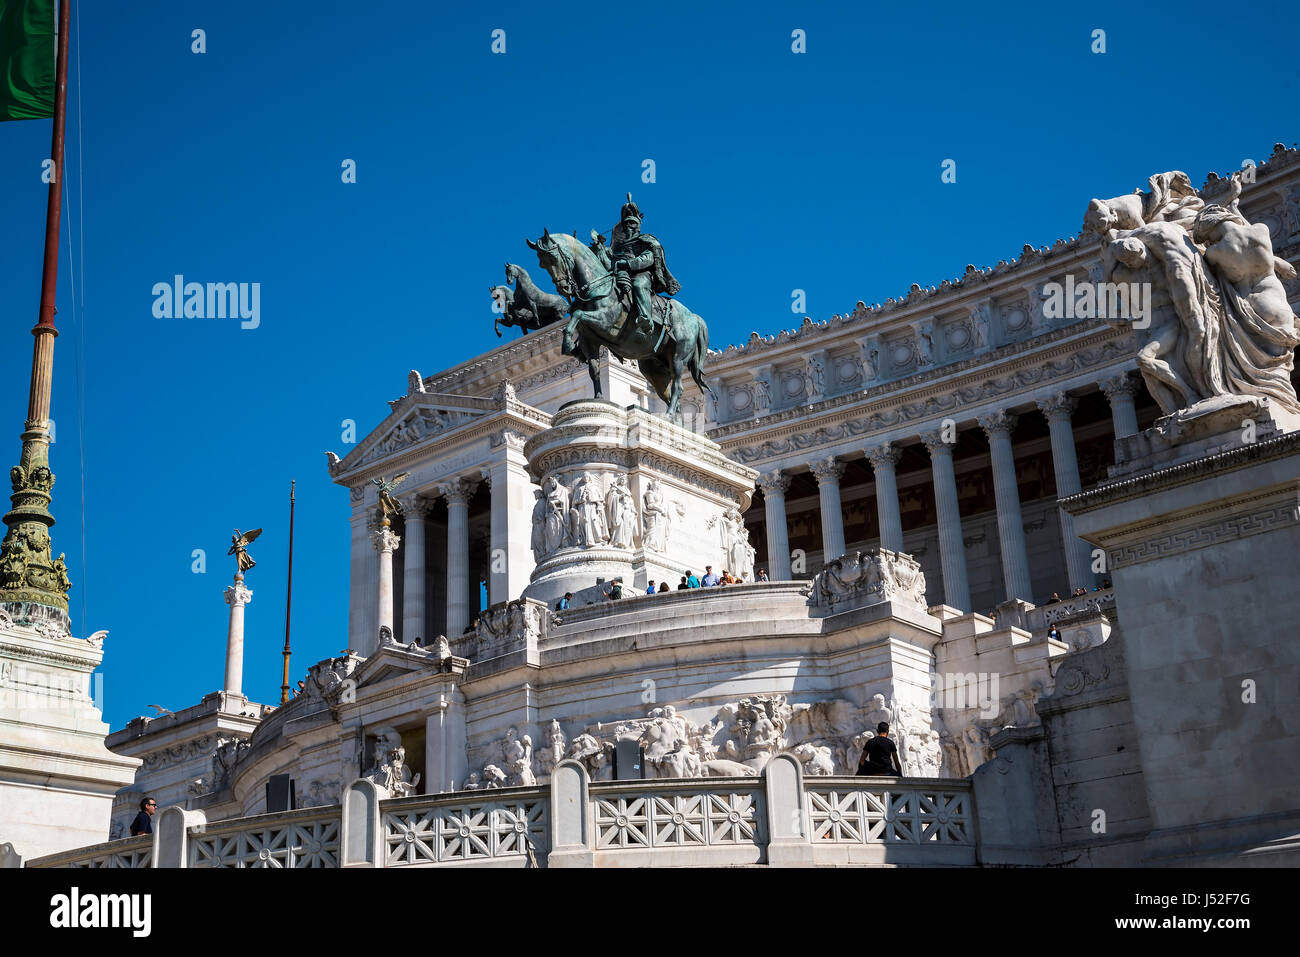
{"x": 288, "y": 599}
{"x": 27, "y": 573}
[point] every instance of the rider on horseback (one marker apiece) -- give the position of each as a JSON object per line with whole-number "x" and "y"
{"x": 640, "y": 268}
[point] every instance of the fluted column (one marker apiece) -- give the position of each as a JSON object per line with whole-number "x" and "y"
{"x": 774, "y": 486}
{"x": 416, "y": 511}
{"x": 237, "y": 596}
{"x": 1006, "y": 490}
{"x": 1120, "y": 390}
{"x": 952, "y": 550}
{"x": 458, "y": 492}
{"x": 510, "y": 557}
{"x": 1078, "y": 555}
{"x": 883, "y": 459}
{"x": 385, "y": 542}
{"x": 828, "y": 472}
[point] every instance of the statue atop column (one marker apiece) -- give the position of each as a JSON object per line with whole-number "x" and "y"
{"x": 239, "y": 543}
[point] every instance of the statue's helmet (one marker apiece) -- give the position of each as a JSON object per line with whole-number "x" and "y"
{"x": 631, "y": 212}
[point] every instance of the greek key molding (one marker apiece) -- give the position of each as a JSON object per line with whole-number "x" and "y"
{"x": 1189, "y": 537}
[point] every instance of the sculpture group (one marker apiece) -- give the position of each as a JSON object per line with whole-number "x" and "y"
{"x": 1221, "y": 333}
{"x": 616, "y": 296}
{"x": 588, "y": 517}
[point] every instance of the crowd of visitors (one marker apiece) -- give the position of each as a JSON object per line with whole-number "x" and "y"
{"x": 1078, "y": 592}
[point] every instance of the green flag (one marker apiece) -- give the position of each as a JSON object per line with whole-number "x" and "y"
{"x": 26, "y": 59}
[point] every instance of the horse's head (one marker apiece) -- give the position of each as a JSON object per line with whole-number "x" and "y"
{"x": 551, "y": 257}
{"x": 512, "y": 272}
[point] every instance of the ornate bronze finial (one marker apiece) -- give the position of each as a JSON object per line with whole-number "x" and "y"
{"x": 239, "y": 543}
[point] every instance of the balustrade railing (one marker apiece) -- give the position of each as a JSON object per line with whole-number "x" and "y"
{"x": 782, "y": 818}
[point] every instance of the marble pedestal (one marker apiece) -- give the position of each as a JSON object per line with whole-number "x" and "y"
{"x": 698, "y": 486}
{"x": 57, "y": 779}
{"x": 1202, "y": 534}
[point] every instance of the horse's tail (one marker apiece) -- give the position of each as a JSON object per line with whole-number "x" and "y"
{"x": 699, "y": 352}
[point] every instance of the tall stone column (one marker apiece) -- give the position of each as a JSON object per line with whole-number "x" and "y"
{"x": 510, "y": 556}
{"x": 828, "y": 472}
{"x": 1006, "y": 490}
{"x": 952, "y": 550}
{"x": 385, "y": 542}
{"x": 883, "y": 459}
{"x": 416, "y": 510}
{"x": 237, "y": 596}
{"x": 1120, "y": 390}
{"x": 445, "y": 765}
{"x": 1078, "y": 555}
{"x": 458, "y": 492}
{"x": 774, "y": 486}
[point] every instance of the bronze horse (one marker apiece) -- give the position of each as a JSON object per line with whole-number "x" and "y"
{"x": 676, "y": 342}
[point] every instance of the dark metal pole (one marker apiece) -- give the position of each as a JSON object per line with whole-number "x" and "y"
{"x": 288, "y": 599}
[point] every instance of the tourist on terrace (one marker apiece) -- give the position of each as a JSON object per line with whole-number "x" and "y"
{"x": 142, "y": 824}
{"x": 691, "y": 580}
{"x": 564, "y": 602}
{"x": 614, "y": 590}
{"x": 762, "y": 574}
{"x": 880, "y": 756}
{"x": 710, "y": 579}
{"x": 728, "y": 578}
{"x": 1054, "y": 599}
{"x": 651, "y": 589}
{"x": 683, "y": 585}
{"x": 663, "y": 587}
{"x": 1054, "y": 633}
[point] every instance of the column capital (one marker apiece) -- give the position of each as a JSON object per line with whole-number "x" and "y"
{"x": 415, "y": 506}
{"x": 384, "y": 539}
{"x": 999, "y": 422}
{"x": 1058, "y": 407}
{"x": 1125, "y": 383}
{"x": 935, "y": 443}
{"x": 774, "y": 481}
{"x": 458, "y": 491}
{"x": 827, "y": 469}
{"x": 885, "y": 455}
{"x": 237, "y": 594}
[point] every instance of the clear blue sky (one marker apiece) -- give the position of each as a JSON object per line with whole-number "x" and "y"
{"x": 775, "y": 171}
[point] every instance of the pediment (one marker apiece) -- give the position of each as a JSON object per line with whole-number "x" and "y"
{"x": 416, "y": 418}
{"x": 393, "y": 660}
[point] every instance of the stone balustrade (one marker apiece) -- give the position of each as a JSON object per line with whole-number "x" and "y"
{"x": 1044, "y": 616}
{"x": 780, "y": 817}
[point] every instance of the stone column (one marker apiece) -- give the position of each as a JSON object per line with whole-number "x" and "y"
{"x": 510, "y": 555}
{"x": 952, "y": 550}
{"x": 237, "y": 596}
{"x": 458, "y": 492}
{"x": 774, "y": 486}
{"x": 385, "y": 542}
{"x": 828, "y": 472}
{"x": 1011, "y": 526}
{"x": 446, "y": 767}
{"x": 1078, "y": 555}
{"x": 1120, "y": 390}
{"x": 416, "y": 511}
{"x": 883, "y": 458}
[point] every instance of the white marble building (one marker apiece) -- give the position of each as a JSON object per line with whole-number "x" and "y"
{"x": 897, "y": 470}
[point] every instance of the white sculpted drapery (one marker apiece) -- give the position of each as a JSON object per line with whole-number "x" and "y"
{"x": 1219, "y": 330}
{"x": 655, "y": 515}
{"x": 621, "y": 509}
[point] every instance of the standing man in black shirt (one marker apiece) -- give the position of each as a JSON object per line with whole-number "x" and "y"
{"x": 142, "y": 824}
{"x": 880, "y": 756}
